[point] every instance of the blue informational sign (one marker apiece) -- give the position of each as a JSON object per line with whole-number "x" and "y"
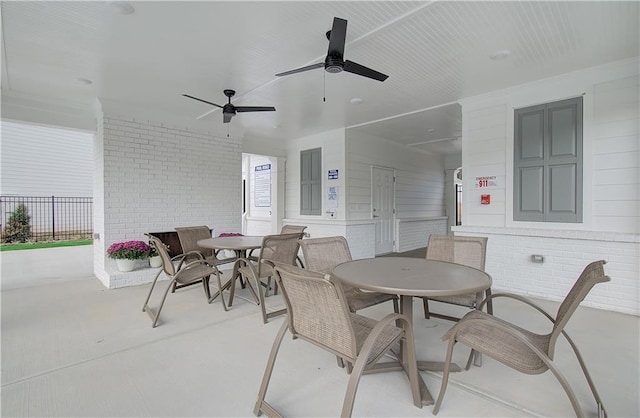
{"x": 333, "y": 174}
{"x": 263, "y": 167}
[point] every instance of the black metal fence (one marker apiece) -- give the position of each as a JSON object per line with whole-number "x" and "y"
{"x": 30, "y": 218}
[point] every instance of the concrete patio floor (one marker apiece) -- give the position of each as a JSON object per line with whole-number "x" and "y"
{"x": 72, "y": 348}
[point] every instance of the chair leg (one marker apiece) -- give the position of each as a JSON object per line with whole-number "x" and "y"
{"x": 153, "y": 284}
{"x": 205, "y": 284}
{"x": 567, "y": 388}
{"x": 472, "y": 355}
{"x": 396, "y": 307}
{"x": 267, "y": 286}
{"x": 487, "y": 293}
{"x": 263, "y": 308}
{"x": 352, "y": 386}
{"x": 602, "y": 413}
{"x": 220, "y": 292}
{"x": 445, "y": 376}
{"x": 156, "y": 315}
{"x": 425, "y": 304}
{"x": 260, "y": 403}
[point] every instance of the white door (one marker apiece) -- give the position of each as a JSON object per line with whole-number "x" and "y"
{"x": 382, "y": 203}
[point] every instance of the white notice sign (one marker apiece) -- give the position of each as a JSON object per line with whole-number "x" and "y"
{"x": 332, "y": 197}
{"x": 262, "y": 186}
{"x": 485, "y": 182}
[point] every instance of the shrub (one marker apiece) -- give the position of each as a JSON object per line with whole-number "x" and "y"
{"x": 18, "y": 228}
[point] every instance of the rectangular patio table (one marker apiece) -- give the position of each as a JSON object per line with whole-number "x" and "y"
{"x": 409, "y": 277}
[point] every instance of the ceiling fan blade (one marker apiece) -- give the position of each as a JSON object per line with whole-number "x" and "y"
{"x": 226, "y": 117}
{"x": 337, "y": 38}
{"x": 200, "y": 100}
{"x": 255, "y": 108}
{"x": 355, "y": 68}
{"x": 301, "y": 69}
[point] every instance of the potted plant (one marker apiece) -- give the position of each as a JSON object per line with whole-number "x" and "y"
{"x": 126, "y": 253}
{"x": 154, "y": 258}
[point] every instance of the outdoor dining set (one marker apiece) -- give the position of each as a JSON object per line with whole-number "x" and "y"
{"x": 323, "y": 288}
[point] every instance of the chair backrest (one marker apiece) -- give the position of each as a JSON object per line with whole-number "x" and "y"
{"x": 592, "y": 274}
{"x": 468, "y": 251}
{"x": 317, "y": 309}
{"x": 282, "y": 248}
{"x": 189, "y": 237}
{"x": 162, "y": 251}
{"x": 291, "y": 229}
{"x": 323, "y": 254}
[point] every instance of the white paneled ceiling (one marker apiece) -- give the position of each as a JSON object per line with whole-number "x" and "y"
{"x": 435, "y": 54}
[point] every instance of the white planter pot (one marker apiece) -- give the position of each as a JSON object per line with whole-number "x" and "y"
{"x": 125, "y": 264}
{"x": 155, "y": 261}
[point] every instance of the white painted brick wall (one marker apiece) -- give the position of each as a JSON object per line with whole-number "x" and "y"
{"x": 360, "y": 238}
{"x": 157, "y": 177}
{"x": 414, "y": 233}
{"x": 566, "y": 253}
{"x": 359, "y": 234}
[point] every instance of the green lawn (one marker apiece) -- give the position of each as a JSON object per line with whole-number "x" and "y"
{"x": 34, "y": 245}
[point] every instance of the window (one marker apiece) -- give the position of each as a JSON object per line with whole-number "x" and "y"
{"x": 547, "y": 160}
{"x": 310, "y": 182}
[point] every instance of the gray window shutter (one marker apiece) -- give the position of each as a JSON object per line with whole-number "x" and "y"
{"x": 310, "y": 182}
{"x": 529, "y": 164}
{"x": 548, "y": 162}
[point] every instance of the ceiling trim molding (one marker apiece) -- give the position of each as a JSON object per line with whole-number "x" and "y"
{"x": 403, "y": 114}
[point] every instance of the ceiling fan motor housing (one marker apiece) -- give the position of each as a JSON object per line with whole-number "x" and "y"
{"x": 333, "y": 64}
{"x": 229, "y": 108}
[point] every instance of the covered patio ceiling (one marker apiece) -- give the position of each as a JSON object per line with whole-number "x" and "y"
{"x": 435, "y": 53}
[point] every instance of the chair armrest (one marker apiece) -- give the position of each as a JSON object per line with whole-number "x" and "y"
{"x": 379, "y": 327}
{"x": 244, "y": 262}
{"x": 512, "y": 331}
{"x": 183, "y": 256}
{"x": 518, "y": 298}
{"x": 200, "y": 262}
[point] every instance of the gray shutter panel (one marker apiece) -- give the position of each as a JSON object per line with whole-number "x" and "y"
{"x": 564, "y": 188}
{"x": 528, "y": 170}
{"x": 310, "y": 182}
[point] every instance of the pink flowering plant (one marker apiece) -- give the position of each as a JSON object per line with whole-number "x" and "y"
{"x": 131, "y": 250}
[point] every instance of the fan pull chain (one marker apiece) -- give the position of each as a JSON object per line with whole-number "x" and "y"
{"x": 324, "y": 86}
{"x": 227, "y": 130}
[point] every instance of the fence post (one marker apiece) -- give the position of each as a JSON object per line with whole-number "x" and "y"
{"x": 53, "y": 217}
